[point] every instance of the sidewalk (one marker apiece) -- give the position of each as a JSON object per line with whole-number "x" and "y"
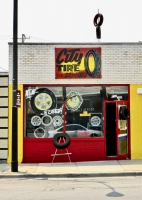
{"x": 74, "y": 169}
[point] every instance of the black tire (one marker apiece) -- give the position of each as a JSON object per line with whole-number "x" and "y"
{"x": 103, "y": 92}
{"x": 64, "y": 93}
{"x": 109, "y": 97}
{"x": 125, "y": 96}
{"x": 47, "y": 91}
{"x": 94, "y": 135}
{"x": 97, "y": 61}
{"x": 64, "y": 136}
{"x": 98, "y": 32}
{"x": 123, "y": 113}
{"x": 101, "y": 19}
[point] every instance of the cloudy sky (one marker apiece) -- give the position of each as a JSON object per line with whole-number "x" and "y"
{"x": 69, "y": 21}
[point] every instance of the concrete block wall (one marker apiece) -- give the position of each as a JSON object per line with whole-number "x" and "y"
{"x": 3, "y": 115}
{"x": 121, "y": 63}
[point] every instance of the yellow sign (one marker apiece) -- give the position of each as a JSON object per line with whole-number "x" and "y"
{"x": 85, "y": 113}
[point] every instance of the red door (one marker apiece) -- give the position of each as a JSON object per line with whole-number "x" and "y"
{"x": 116, "y": 129}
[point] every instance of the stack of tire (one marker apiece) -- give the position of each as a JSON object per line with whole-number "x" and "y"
{"x": 98, "y": 21}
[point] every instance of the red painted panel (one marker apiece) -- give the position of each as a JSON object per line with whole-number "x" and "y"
{"x": 40, "y": 150}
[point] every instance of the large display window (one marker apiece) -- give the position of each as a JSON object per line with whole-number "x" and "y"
{"x": 76, "y": 110}
{"x": 43, "y": 111}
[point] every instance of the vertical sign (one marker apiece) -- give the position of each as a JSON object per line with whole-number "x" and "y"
{"x": 18, "y": 98}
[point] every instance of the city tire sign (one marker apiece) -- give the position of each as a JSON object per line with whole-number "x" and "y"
{"x": 77, "y": 63}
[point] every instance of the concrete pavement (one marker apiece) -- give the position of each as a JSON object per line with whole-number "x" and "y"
{"x": 74, "y": 169}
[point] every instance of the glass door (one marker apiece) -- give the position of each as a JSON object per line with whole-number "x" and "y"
{"x": 122, "y": 122}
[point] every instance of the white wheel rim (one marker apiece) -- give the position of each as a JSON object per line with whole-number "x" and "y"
{"x": 35, "y": 120}
{"x": 57, "y": 121}
{"x": 43, "y": 101}
{"x": 39, "y": 132}
{"x": 48, "y": 119}
{"x": 95, "y": 121}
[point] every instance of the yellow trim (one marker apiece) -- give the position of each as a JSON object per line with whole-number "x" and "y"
{"x": 136, "y": 122}
{"x": 20, "y": 126}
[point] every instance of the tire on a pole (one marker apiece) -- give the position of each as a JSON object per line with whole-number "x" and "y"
{"x": 61, "y": 136}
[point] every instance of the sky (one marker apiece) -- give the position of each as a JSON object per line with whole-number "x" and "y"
{"x": 45, "y": 21}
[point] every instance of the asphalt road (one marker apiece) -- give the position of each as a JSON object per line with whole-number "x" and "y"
{"x": 71, "y": 188}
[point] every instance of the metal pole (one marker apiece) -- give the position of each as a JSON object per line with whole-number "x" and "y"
{"x": 14, "y": 163}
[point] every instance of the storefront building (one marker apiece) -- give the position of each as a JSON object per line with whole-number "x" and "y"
{"x": 92, "y": 92}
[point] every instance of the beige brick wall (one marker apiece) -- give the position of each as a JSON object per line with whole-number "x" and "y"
{"x": 3, "y": 115}
{"x": 3, "y": 81}
{"x": 3, "y": 112}
{"x": 3, "y": 143}
{"x": 3, "y": 101}
{"x": 3, "y": 122}
{"x": 3, "y": 154}
{"x": 3, "y": 133}
{"x": 3, "y": 91}
{"x": 121, "y": 63}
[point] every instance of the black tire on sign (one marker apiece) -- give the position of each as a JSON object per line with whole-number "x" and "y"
{"x": 58, "y": 137}
{"x": 123, "y": 113}
{"x": 98, "y": 32}
{"x": 97, "y": 63}
{"x": 98, "y": 19}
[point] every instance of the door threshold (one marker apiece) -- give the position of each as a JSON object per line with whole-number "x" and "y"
{"x": 111, "y": 156}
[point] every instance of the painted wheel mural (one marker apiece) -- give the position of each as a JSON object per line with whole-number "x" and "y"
{"x": 43, "y": 99}
{"x": 97, "y": 63}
